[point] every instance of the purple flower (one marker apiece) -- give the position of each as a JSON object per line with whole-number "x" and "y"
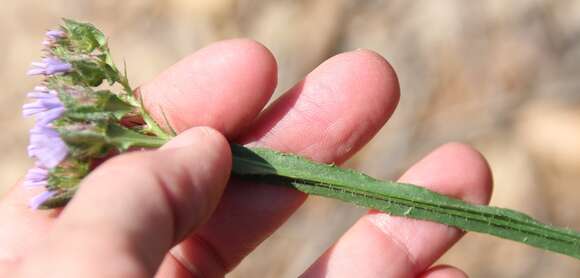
{"x": 39, "y": 199}
{"x": 49, "y": 66}
{"x": 46, "y": 108}
{"x": 46, "y": 146}
{"x": 36, "y": 177}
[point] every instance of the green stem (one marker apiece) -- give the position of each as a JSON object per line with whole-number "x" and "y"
{"x": 150, "y": 142}
{"x": 263, "y": 165}
{"x": 124, "y": 138}
{"x": 126, "y": 87}
{"x": 153, "y": 127}
{"x": 130, "y": 98}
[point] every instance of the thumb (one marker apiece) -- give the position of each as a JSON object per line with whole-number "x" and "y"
{"x": 131, "y": 210}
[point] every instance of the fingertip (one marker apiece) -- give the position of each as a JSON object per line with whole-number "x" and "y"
{"x": 205, "y": 155}
{"x": 211, "y": 86}
{"x": 247, "y": 58}
{"x": 385, "y": 73}
{"x": 213, "y": 145}
{"x": 256, "y": 55}
{"x": 454, "y": 169}
{"x": 478, "y": 177}
{"x": 369, "y": 83}
{"x": 374, "y": 76}
{"x": 198, "y": 135}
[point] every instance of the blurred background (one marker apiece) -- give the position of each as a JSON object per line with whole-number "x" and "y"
{"x": 503, "y": 76}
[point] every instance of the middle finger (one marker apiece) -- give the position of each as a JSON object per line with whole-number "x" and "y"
{"x": 327, "y": 117}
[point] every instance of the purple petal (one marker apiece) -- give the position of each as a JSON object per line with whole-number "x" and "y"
{"x": 55, "y": 34}
{"x": 30, "y": 150}
{"x": 37, "y": 174}
{"x": 58, "y": 68}
{"x": 40, "y": 92}
{"x": 49, "y": 116}
{"x": 39, "y": 199}
{"x": 51, "y": 60}
{"x": 36, "y": 177}
{"x": 47, "y": 108}
{"x": 51, "y": 101}
{"x": 31, "y": 109}
{"x": 49, "y": 66}
{"x": 41, "y": 89}
{"x": 35, "y": 71}
{"x": 34, "y": 184}
{"x": 47, "y": 146}
{"x": 38, "y": 95}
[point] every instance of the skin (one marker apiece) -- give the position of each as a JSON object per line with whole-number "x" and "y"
{"x": 138, "y": 215}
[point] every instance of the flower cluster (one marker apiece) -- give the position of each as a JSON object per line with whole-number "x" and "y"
{"x": 45, "y": 146}
{"x": 76, "y": 120}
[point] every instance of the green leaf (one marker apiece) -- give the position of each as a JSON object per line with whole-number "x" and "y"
{"x": 90, "y": 135}
{"x": 117, "y": 107}
{"x": 88, "y": 116}
{"x": 84, "y": 36}
{"x": 83, "y": 103}
{"x": 88, "y": 72}
{"x": 399, "y": 199}
{"x": 124, "y": 138}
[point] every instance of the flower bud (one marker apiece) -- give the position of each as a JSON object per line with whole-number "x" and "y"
{"x": 52, "y": 37}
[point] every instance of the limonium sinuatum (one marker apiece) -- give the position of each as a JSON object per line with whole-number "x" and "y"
{"x": 79, "y": 121}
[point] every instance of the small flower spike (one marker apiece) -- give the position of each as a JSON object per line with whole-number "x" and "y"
{"x": 36, "y": 177}
{"x": 46, "y": 108}
{"x": 46, "y": 146}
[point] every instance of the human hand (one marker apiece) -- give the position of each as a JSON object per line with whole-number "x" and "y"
{"x": 134, "y": 208}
